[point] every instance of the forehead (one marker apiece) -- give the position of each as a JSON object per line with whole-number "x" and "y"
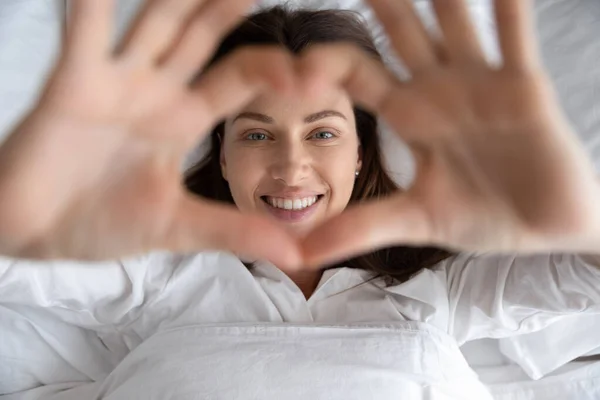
{"x": 293, "y": 109}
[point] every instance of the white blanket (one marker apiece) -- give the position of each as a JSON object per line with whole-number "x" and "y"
{"x": 178, "y": 323}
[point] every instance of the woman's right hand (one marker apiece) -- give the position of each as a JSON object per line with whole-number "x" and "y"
{"x": 94, "y": 171}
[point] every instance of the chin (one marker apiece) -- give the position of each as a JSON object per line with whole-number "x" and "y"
{"x": 301, "y": 230}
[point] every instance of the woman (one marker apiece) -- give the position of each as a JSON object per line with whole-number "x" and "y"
{"x": 345, "y": 160}
{"x": 203, "y": 325}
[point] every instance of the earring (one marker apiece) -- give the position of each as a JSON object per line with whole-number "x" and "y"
{"x": 357, "y": 173}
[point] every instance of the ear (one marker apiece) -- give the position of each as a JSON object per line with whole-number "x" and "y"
{"x": 222, "y": 159}
{"x": 359, "y": 161}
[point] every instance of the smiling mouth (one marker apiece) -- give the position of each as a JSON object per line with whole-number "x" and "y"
{"x": 298, "y": 204}
{"x": 292, "y": 210}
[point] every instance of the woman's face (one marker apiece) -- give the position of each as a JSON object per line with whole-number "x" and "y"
{"x": 292, "y": 160}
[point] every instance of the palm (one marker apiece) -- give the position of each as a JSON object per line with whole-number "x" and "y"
{"x": 124, "y": 175}
{"x": 106, "y": 164}
{"x": 498, "y": 168}
{"x": 494, "y": 172}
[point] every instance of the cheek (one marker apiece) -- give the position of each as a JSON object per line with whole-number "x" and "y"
{"x": 338, "y": 170}
{"x": 244, "y": 172}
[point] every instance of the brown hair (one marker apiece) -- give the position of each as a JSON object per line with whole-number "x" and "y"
{"x": 296, "y": 30}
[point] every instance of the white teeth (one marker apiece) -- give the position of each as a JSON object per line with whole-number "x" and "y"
{"x": 297, "y": 204}
{"x": 292, "y": 204}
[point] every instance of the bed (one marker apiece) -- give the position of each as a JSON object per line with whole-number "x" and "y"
{"x": 516, "y": 368}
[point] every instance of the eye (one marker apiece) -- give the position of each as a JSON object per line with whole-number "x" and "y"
{"x": 256, "y": 136}
{"x": 323, "y": 135}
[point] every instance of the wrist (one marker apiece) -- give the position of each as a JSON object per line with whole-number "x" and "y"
{"x": 20, "y": 206}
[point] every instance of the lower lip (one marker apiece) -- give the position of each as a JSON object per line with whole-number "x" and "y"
{"x": 292, "y": 215}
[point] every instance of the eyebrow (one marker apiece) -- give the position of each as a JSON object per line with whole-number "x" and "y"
{"x": 322, "y": 115}
{"x": 256, "y": 117}
{"x": 308, "y": 120}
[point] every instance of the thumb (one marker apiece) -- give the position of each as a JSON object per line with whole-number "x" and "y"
{"x": 397, "y": 220}
{"x": 205, "y": 225}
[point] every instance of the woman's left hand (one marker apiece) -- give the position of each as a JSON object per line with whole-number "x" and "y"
{"x": 498, "y": 166}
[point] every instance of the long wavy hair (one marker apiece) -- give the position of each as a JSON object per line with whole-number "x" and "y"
{"x": 296, "y": 30}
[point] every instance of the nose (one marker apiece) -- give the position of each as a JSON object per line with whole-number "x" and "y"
{"x": 291, "y": 163}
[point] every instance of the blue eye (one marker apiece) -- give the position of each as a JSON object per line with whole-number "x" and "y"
{"x": 257, "y": 136}
{"x": 323, "y": 135}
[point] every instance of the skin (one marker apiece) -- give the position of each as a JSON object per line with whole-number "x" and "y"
{"x": 288, "y": 147}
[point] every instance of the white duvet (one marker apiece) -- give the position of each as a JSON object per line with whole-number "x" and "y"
{"x": 205, "y": 327}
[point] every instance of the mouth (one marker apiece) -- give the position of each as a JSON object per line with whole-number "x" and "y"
{"x": 292, "y": 210}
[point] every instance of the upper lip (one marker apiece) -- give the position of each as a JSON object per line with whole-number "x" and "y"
{"x": 291, "y": 194}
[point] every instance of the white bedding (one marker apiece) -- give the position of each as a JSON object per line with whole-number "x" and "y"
{"x": 29, "y": 38}
{"x": 124, "y": 323}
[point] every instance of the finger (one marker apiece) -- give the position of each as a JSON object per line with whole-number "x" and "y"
{"x": 203, "y": 35}
{"x": 517, "y": 33}
{"x": 157, "y": 27}
{"x": 347, "y": 66}
{"x": 200, "y": 225}
{"x": 89, "y": 30}
{"x": 371, "y": 86}
{"x": 398, "y": 220}
{"x": 229, "y": 85}
{"x": 407, "y": 33}
{"x": 460, "y": 36}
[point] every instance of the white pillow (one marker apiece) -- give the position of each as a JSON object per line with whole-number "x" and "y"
{"x": 569, "y": 32}
{"x": 29, "y": 40}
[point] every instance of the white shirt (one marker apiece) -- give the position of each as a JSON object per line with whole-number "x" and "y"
{"x": 203, "y": 326}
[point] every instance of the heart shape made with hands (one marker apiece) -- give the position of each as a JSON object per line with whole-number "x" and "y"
{"x": 107, "y": 166}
